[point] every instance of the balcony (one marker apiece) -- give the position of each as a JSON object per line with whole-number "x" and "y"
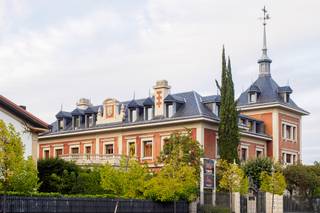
{"x": 89, "y": 159}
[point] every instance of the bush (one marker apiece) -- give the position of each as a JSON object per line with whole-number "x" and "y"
{"x": 213, "y": 209}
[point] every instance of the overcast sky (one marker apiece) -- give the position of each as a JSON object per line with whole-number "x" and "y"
{"x": 55, "y": 52}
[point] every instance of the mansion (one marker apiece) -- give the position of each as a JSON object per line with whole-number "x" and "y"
{"x": 269, "y": 124}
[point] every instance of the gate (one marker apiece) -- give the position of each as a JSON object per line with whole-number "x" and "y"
{"x": 261, "y": 202}
{"x": 243, "y": 204}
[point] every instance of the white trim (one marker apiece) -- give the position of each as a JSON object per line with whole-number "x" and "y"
{"x": 146, "y": 136}
{"x": 162, "y": 138}
{"x": 43, "y": 152}
{"x": 74, "y": 146}
{"x": 256, "y": 136}
{"x": 84, "y": 148}
{"x": 270, "y": 105}
{"x": 55, "y": 150}
{"x": 142, "y": 148}
{"x": 261, "y": 150}
{"x": 246, "y": 147}
{"x": 291, "y": 125}
{"x": 104, "y": 147}
{"x": 135, "y": 147}
{"x": 128, "y": 127}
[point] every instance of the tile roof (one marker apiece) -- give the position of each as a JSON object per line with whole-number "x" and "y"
{"x": 269, "y": 93}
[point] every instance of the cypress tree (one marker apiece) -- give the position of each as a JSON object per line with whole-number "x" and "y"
{"x": 228, "y": 128}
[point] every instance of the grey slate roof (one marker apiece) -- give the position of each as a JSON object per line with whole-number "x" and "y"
{"x": 63, "y": 114}
{"x": 211, "y": 99}
{"x": 269, "y": 93}
{"x": 285, "y": 89}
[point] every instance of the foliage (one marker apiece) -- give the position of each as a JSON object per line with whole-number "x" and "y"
{"x": 173, "y": 183}
{"x": 25, "y": 178}
{"x": 213, "y": 209}
{"x": 57, "y": 175}
{"x": 16, "y": 173}
{"x": 233, "y": 179}
{"x": 88, "y": 182}
{"x": 303, "y": 179}
{"x": 254, "y": 168}
{"x": 182, "y": 149}
{"x": 127, "y": 181}
{"x": 228, "y": 128}
{"x": 274, "y": 183}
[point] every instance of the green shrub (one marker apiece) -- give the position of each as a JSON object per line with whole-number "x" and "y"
{"x": 213, "y": 209}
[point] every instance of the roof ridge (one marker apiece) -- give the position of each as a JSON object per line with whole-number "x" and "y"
{"x": 197, "y": 102}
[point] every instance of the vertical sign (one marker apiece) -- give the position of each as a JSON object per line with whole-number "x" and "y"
{"x": 208, "y": 178}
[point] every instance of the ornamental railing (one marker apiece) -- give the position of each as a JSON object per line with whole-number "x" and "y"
{"x": 87, "y": 159}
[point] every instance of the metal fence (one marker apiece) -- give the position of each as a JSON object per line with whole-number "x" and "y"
{"x": 88, "y": 205}
{"x": 298, "y": 204}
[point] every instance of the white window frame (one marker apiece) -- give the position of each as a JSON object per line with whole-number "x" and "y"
{"x": 84, "y": 149}
{"x": 247, "y": 152}
{"x": 168, "y": 115}
{"x": 293, "y": 133}
{"x": 43, "y": 153}
{"x": 284, "y": 161}
{"x": 133, "y": 113}
{"x": 162, "y": 141}
{"x": 55, "y": 150}
{"x": 74, "y": 146}
{"x": 135, "y": 147}
{"x": 104, "y": 147}
{"x": 252, "y": 97}
{"x": 261, "y": 150}
{"x": 148, "y": 116}
{"x": 142, "y": 148}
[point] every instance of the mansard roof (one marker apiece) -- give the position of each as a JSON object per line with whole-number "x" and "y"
{"x": 174, "y": 98}
{"x": 77, "y": 112}
{"x": 269, "y": 94}
{"x": 63, "y": 114}
{"x": 148, "y": 102}
{"x": 285, "y": 89}
{"x": 211, "y": 99}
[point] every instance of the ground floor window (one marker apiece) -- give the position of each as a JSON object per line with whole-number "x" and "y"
{"x": 75, "y": 150}
{"x": 289, "y": 158}
{"x": 147, "y": 149}
{"x": 58, "y": 152}
{"x": 132, "y": 149}
{"x": 46, "y": 154}
{"x": 109, "y": 149}
{"x": 244, "y": 152}
{"x": 259, "y": 153}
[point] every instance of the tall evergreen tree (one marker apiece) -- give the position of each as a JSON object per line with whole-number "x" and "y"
{"x": 228, "y": 128}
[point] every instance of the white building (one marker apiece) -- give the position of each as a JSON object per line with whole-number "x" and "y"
{"x": 28, "y": 125}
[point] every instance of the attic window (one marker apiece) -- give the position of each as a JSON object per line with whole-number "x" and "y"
{"x": 61, "y": 126}
{"x": 148, "y": 113}
{"x": 77, "y": 122}
{"x": 133, "y": 115}
{"x": 90, "y": 120}
{"x": 253, "y": 97}
{"x": 169, "y": 110}
{"x": 286, "y": 97}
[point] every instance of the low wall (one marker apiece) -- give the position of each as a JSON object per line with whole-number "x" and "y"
{"x": 16, "y": 204}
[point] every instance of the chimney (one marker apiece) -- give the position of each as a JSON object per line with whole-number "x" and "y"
{"x": 161, "y": 90}
{"x": 23, "y": 107}
{"x": 83, "y": 103}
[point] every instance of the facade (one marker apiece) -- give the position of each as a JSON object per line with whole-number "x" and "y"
{"x": 26, "y": 124}
{"x": 269, "y": 123}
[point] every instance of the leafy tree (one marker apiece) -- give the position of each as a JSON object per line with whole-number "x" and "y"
{"x": 25, "y": 178}
{"x": 57, "y": 175}
{"x": 274, "y": 183}
{"x": 88, "y": 182}
{"x": 254, "y": 168}
{"x": 303, "y": 179}
{"x": 11, "y": 154}
{"x": 228, "y": 128}
{"x": 233, "y": 180}
{"x": 180, "y": 148}
{"x": 172, "y": 184}
{"x": 127, "y": 181}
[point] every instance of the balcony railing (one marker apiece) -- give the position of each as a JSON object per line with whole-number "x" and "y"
{"x": 88, "y": 159}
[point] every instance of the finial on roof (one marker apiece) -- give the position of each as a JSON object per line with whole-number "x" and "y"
{"x": 61, "y": 107}
{"x": 134, "y": 95}
{"x": 264, "y": 61}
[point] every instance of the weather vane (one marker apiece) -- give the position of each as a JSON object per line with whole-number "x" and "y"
{"x": 265, "y": 15}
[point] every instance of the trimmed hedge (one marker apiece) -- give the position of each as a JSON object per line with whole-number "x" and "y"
{"x": 212, "y": 209}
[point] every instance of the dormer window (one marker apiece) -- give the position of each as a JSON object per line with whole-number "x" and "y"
{"x": 253, "y": 93}
{"x": 285, "y": 93}
{"x": 148, "y": 113}
{"x": 133, "y": 115}
{"x": 216, "y": 109}
{"x": 169, "y": 110}
{"x": 90, "y": 120}
{"x": 61, "y": 124}
{"x": 253, "y": 97}
{"x": 77, "y": 122}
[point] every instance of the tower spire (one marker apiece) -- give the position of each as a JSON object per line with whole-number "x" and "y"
{"x": 264, "y": 61}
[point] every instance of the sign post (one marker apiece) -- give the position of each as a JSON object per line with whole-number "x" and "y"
{"x": 208, "y": 178}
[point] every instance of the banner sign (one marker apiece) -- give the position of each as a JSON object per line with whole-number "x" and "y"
{"x": 208, "y": 173}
